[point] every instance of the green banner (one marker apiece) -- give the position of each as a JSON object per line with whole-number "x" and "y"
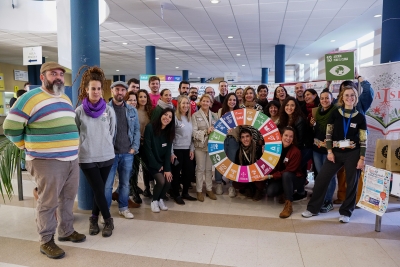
{"x": 339, "y": 66}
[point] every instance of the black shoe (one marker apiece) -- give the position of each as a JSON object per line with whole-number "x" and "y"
{"x": 108, "y": 227}
{"x": 147, "y": 193}
{"x": 139, "y": 190}
{"x": 179, "y": 201}
{"x": 327, "y": 207}
{"x": 136, "y": 198}
{"x": 189, "y": 197}
{"x": 298, "y": 197}
{"x": 94, "y": 225}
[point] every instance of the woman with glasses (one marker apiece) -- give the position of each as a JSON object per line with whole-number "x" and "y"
{"x": 346, "y": 139}
{"x": 131, "y": 99}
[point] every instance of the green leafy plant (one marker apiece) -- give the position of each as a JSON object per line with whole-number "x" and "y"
{"x": 10, "y": 157}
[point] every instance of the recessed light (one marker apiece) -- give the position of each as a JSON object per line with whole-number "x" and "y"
{"x": 198, "y": 77}
{"x": 176, "y": 67}
{"x": 307, "y": 54}
{"x": 190, "y": 73}
{"x": 333, "y": 41}
{"x": 377, "y": 16}
{"x": 230, "y": 37}
{"x": 116, "y": 70}
{"x": 214, "y": 1}
{"x": 238, "y": 55}
{"x": 243, "y": 65}
{"x": 124, "y": 43}
{"x": 157, "y": 58}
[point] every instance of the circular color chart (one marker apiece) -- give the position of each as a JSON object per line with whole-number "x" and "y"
{"x": 272, "y": 148}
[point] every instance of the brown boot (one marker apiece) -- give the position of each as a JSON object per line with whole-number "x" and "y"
{"x": 200, "y": 197}
{"x": 211, "y": 195}
{"x": 115, "y": 196}
{"x": 132, "y": 205}
{"x": 287, "y": 210}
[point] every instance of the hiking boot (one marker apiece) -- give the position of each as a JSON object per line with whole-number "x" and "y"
{"x": 287, "y": 210}
{"x": 94, "y": 225}
{"x": 108, "y": 227}
{"x": 75, "y": 237}
{"x": 327, "y": 207}
{"x": 219, "y": 190}
{"x": 282, "y": 199}
{"x": 51, "y": 250}
{"x": 211, "y": 195}
{"x": 132, "y": 205}
{"x": 232, "y": 192}
{"x": 299, "y": 197}
{"x": 200, "y": 197}
{"x": 258, "y": 195}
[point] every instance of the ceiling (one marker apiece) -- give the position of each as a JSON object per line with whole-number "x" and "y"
{"x": 193, "y": 34}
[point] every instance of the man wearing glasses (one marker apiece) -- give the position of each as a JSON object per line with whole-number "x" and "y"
{"x": 133, "y": 85}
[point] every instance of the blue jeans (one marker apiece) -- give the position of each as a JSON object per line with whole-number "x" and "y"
{"x": 122, "y": 164}
{"x": 319, "y": 160}
{"x": 231, "y": 147}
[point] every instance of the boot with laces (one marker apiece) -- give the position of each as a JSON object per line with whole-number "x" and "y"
{"x": 108, "y": 227}
{"x": 287, "y": 210}
{"x": 94, "y": 225}
{"x": 51, "y": 250}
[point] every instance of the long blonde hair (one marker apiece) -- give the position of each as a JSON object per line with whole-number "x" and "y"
{"x": 178, "y": 113}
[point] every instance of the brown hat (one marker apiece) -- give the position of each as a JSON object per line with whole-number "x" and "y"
{"x": 51, "y": 66}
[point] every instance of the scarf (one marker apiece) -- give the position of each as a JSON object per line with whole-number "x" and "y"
{"x": 247, "y": 155}
{"x": 309, "y": 108}
{"x": 94, "y": 110}
{"x": 164, "y": 105}
{"x": 322, "y": 117}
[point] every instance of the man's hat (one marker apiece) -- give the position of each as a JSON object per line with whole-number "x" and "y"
{"x": 51, "y": 66}
{"x": 124, "y": 84}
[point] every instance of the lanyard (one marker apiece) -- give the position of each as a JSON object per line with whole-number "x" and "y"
{"x": 346, "y": 125}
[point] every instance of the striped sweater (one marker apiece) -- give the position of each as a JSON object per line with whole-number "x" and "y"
{"x": 43, "y": 125}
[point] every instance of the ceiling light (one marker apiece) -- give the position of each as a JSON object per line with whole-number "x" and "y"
{"x": 157, "y": 58}
{"x": 230, "y": 37}
{"x": 238, "y": 55}
{"x": 176, "y": 67}
{"x": 124, "y": 43}
{"x": 307, "y": 54}
{"x": 333, "y": 41}
{"x": 377, "y": 16}
{"x": 190, "y": 73}
{"x": 198, "y": 77}
{"x": 214, "y": 1}
{"x": 116, "y": 70}
{"x": 243, "y": 65}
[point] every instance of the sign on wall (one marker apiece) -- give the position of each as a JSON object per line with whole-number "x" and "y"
{"x": 32, "y": 55}
{"x": 2, "y": 82}
{"x": 21, "y": 75}
{"x": 231, "y": 77}
{"x": 166, "y": 81}
{"x": 339, "y": 66}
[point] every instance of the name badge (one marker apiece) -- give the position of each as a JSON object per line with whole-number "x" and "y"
{"x": 164, "y": 145}
{"x": 286, "y": 160}
{"x": 353, "y": 125}
{"x": 199, "y": 119}
{"x": 344, "y": 143}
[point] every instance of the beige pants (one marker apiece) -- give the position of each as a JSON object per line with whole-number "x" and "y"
{"x": 203, "y": 168}
{"x": 57, "y": 183}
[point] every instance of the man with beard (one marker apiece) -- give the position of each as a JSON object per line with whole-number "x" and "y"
{"x": 262, "y": 95}
{"x": 42, "y": 122}
{"x": 183, "y": 89}
{"x": 193, "y": 93}
{"x": 299, "y": 91}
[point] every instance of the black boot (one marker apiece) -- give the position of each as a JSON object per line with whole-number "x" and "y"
{"x": 108, "y": 227}
{"x": 135, "y": 195}
{"x": 94, "y": 226}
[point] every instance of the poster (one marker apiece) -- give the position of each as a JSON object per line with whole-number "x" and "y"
{"x": 339, "y": 66}
{"x": 2, "y": 82}
{"x": 383, "y": 118}
{"x": 2, "y": 104}
{"x": 166, "y": 81}
{"x": 375, "y": 192}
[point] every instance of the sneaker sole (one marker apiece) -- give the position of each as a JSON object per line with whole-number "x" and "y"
{"x": 53, "y": 257}
{"x": 122, "y": 215}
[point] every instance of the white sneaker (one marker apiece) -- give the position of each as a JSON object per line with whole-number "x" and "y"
{"x": 344, "y": 219}
{"x": 126, "y": 213}
{"x": 162, "y": 205}
{"x": 154, "y": 206}
{"x": 151, "y": 186}
{"x": 232, "y": 192}
{"x": 219, "y": 190}
{"x": 307, "y": 214}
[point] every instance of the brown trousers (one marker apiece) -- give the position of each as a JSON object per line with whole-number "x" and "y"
{"x": 57, "y": 183}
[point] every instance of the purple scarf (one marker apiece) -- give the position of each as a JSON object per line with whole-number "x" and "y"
{"x": 94, "y": 110}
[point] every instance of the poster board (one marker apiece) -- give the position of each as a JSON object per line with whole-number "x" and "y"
{"x": 339, "y": 65}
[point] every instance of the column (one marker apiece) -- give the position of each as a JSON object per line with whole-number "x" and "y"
{"x": 279, "y": 63}
{"x": 203, "y": 80}
{"x": 185, "y": 75}
{"x": 85, "y": 50}
{"x": 150, "y": 59}
{"x": 390, "y": 42}
{"x": 264, "y": 75}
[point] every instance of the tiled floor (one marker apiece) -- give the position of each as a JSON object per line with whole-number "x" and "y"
{"x": 225, "y": 232}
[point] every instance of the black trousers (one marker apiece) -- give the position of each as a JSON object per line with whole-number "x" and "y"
{"x": 97, "y": 178}
{"x": 347, "y": 159}
{"x": 140, "y": 158}
{"x": 285, "y": 185}
{"x": 182, "y": 173}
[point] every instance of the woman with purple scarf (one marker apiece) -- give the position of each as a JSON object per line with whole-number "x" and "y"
{"x": 96, "y": 125}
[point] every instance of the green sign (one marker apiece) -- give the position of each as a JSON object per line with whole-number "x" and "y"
{"x": 339, "y": 66}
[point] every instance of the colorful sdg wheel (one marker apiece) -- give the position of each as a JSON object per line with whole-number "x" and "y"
{"x": 272, "y": 148}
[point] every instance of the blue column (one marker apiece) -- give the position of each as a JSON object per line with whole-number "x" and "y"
{"x": 151, "y": 59}
{"x": 85, "y": 50}
{"x": 203, "y": 80}
{"x": 390, "y": 40}
{"x": 279, "y": 63}
{"x": 264, "y": 75}
{"x": 122, "y": 78}
{"x": 185, "y": 75}
{"x": 115, "y": 78}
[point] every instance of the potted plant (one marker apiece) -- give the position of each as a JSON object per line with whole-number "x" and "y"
{"x": 10, "y": 157}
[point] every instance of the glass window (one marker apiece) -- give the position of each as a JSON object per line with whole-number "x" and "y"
{"x": 351, "y": 45}
{"x": 367, "y": 51}
{"x": 365, "y": 38}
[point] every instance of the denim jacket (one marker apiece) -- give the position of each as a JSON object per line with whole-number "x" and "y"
{"x": 133, "y": 124}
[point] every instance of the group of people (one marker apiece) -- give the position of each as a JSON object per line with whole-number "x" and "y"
{"x": 168, "y": 138}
